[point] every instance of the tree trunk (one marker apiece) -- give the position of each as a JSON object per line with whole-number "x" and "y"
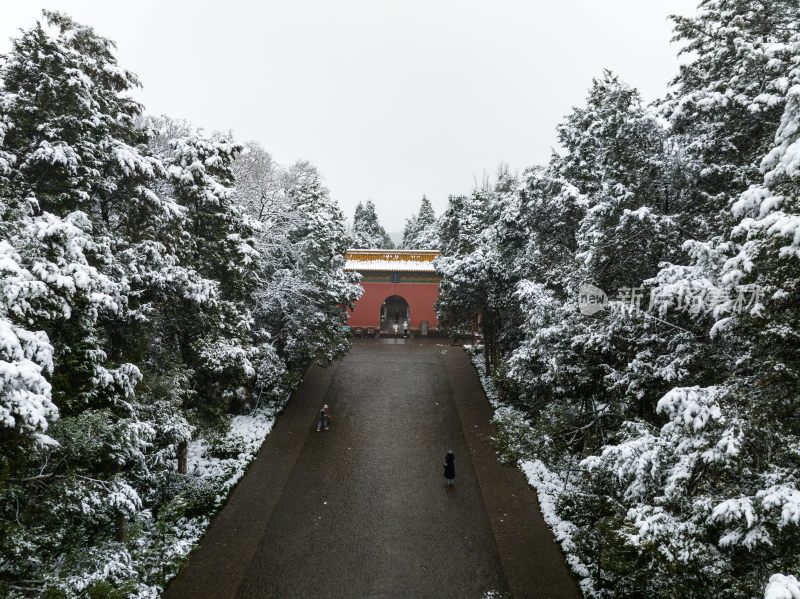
{"x": 121, "y": 532}
{"x": 183, "y": 450}
{"x": 487, "y": 341}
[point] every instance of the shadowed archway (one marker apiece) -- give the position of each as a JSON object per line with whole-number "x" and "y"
{"x": 394, "y": 310}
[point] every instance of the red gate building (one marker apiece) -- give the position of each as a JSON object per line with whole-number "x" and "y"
{"x": 399, "y": 286}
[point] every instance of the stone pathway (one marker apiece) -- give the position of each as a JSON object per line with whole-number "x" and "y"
{"x": 361, "y": 510}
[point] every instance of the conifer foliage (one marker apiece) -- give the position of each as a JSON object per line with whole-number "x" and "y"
{"x": 420, "y": 232}
{"x": 367, "y": 232}
{"x": 145, "y": 298}
{"x": 668, "y": 410}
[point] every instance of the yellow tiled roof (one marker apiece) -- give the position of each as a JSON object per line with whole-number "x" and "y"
{"x": 391, "y": 260}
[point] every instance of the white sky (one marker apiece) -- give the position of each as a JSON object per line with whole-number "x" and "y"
{"x": 389, "y": 99}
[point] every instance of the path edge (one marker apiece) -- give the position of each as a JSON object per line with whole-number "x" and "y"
{"x": 532, "y": 560}
{"x": 262, "y": 484}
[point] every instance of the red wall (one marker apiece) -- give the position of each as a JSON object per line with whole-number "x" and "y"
{"x": 421, "y": 298}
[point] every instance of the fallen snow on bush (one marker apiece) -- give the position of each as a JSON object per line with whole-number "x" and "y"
{"x": 782, "y": 587}
{"x": 214, "y": 468}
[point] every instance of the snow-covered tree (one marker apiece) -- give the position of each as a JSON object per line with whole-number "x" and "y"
{"x": 727, "y": 99}
{"x": 302, "y": 286}
{"x": 75, "y": 171}
{"x": 131, "y": 279}
{"x": 421, "y": 232}
{"x": 477, "y": 266}
{"x": 367, "y": 232}
{"x": 671, "y": 412}
{"x": 310, "y": 317}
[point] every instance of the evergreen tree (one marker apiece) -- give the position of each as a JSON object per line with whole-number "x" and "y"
{"x": 367, "y": 232}
{"x": 76, "y": 168}
{"x": 410, "y": 230}
{"x": 727, "y": 100}
{"x": 302, "y": 285}
{"x": 132, "y": 275}
{"x": 672, "y": 415}
{"x": 212, "y": 323}
{"x": 420, "y": 232}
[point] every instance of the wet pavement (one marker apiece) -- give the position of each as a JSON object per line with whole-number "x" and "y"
{"x": 361, "y": 509}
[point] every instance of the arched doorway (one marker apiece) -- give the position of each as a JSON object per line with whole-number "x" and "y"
{"x": 394, "y": 310}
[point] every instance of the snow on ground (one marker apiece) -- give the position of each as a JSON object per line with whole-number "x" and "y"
{"x": 548, "y": 484}
{"x": 214, "y": 467}
{"x": 247, "y": 433}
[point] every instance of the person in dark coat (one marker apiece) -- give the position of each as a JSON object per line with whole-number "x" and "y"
{"x": 449, "y": 468}
{"x": 322, "y": 422}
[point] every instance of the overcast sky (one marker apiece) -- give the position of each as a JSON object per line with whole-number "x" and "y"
{"x": 389, "y": 99}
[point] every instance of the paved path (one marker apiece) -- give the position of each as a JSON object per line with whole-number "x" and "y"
{"x": 361, "y": 510}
